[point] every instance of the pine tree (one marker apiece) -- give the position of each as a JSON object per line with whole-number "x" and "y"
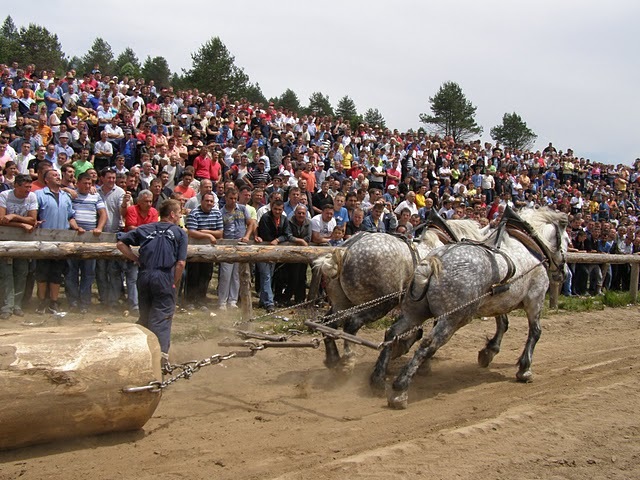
{"x": 319, "y": 104}
{"x": 513, "y": 132}
{"x": 453, "y": 114}
{"x": 99, "y": 56}
{"x": 374, "y": 118}
{"x": 128, "y": 57}
{"x": 289, "y": 100}
{"x": 156, "y": 69}
{"x": 214, "y": 71}
{"x": 346, "y": 108}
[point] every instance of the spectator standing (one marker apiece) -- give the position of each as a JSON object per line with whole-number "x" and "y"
{"x": 273, "y": 229}
{"x": 91, "y": 216}
{"x": 19, "y": 209}
{"x": 300, "y": 227}
{"x": 55, "y": 211}
{"x": 237, "y": 225}
{"x": 205, "y": 223}
{"x": 108, "y": 276}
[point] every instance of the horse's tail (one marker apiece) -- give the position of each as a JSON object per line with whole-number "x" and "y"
{"x": 330, "y": 265}
{"x": 428, "y": 268}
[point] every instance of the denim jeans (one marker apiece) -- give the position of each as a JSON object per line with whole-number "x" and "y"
{"x": 118, "y": 268}
{"x": 78, "y": 281}
{"x": 228, "y": 283}
{"x": 13, "y": 277}
{"x": 266, "y": 275}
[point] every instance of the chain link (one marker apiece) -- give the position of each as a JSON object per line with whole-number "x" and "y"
{"x": 285, "y": 309}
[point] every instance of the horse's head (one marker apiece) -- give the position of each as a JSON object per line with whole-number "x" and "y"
{"x": 552, "y": 230}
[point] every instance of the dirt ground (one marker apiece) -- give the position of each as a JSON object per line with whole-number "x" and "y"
{"x": 282, "y": 415}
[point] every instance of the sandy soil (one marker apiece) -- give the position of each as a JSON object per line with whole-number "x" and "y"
{"x": 282, "y": 415}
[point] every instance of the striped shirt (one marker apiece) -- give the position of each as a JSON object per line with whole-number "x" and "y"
{"x": 199, "y": 220}
{"x": 86, "y": 208}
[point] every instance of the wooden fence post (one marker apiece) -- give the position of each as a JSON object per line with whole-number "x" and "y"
{"x": 245, "y": 292}
{"x": 633, "y": 285}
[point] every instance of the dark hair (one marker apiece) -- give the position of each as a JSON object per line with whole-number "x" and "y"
{"x": 277, "y": 203}
{"x": 22, "y": 178}
{"x": 84, "y": 176}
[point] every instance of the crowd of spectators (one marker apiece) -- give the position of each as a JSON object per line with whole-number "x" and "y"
{"x": 97, "y": 153}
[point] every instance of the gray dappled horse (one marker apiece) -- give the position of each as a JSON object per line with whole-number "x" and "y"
{"x": 373, "y": 265}
{"x": 454, "y": 276}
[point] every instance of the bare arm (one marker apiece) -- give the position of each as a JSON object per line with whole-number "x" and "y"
{"x": 102, "y": 221}
{"x": 127, "y": 252}
{"x": 180, "y": 264}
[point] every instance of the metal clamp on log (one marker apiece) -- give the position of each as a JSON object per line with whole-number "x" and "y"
{"x": 333, "y": 333}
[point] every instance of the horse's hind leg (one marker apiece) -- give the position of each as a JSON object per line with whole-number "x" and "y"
{"x": 485, "y": 356}
{"x": 438, "y": 336}
{"x": 524, "y": 363}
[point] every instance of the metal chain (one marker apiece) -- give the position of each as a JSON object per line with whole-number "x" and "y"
{"x": 189, "y": 368}
{"x": 417, "y": 328}
{"x": 358, "y": 308}
{"x": 284, "y": 309}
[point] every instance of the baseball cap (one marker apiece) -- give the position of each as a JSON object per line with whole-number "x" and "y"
{"x": 391, "y": 187}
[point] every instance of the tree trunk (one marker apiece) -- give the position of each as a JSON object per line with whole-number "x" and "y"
{"x": 64, "y": 382}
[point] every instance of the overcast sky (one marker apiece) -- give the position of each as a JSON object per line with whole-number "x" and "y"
{"x": 569, "y": 68}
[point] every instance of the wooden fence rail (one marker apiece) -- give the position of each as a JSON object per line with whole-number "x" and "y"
{"x": 59, "y": 244}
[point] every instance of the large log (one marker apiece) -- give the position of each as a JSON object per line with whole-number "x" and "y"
{"x": 64, "y": 382}
{"x": 196, "y": 253}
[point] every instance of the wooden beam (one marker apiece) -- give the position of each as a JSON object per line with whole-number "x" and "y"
{"x": 196, "y": 253}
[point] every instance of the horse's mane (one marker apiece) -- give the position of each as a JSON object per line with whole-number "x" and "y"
{"x": 540, "y": 218}
{"x": 467, "y": 228}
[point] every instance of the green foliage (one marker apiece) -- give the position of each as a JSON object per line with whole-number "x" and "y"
{"x": 580, "y": 304}
{"x": 356, "y": 121}
{"x": 214, "y": 71}
{"x": 373, "y": 117}
{"x": 346, "y": 108}
{"x": 9, "y": 42}
{"x": 513, "y": 132}
{"x": 452, "y": 113}
{"x": 319, "y": 104}
{"x": 34, "y": 44}
{"x": 127, "y": 70}
{"x": 99, "y": 56}
{"x": 254, "y": 94}
{"x": 617, "y": 299}
{"x": 289, "y": 100}
{"x": 156, "y": 69}
{"x": 73, "y": 63}
{"x": 128, "y": 58}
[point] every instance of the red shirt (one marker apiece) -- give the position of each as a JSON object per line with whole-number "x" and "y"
{"x": 187, "y": 192}
{"x": 135, "y": 218}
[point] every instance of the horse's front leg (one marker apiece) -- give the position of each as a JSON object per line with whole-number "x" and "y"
{"x": 332, "y": 356}
{"x": 394, "y": 348}
{"x": 438, "y": 336}
{"x": 485, "y": 356}
{"x": 524, "y": 363}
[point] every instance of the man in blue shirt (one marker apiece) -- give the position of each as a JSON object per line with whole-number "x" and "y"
{"x": 55, "y": 211}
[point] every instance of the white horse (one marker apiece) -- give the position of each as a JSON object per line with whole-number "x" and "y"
{"x": 375, "y": 265}
{"x": 460, "y": 281}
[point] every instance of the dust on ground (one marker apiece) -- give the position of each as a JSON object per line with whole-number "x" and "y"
{"x": 281, "y": 414}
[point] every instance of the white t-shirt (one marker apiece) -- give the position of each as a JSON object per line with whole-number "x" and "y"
{"x": 19, "y": 206}
{"x": 322, "y": 227}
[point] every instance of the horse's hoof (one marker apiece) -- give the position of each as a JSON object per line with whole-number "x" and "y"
{"x": 347, "y": 364}
{"x": 525, "y": 377}
{"x": 424, "y": 369}
{"x": 485, "y": 357}
{"x": 331, "y": 363}
{"x": 398, "y": 400}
